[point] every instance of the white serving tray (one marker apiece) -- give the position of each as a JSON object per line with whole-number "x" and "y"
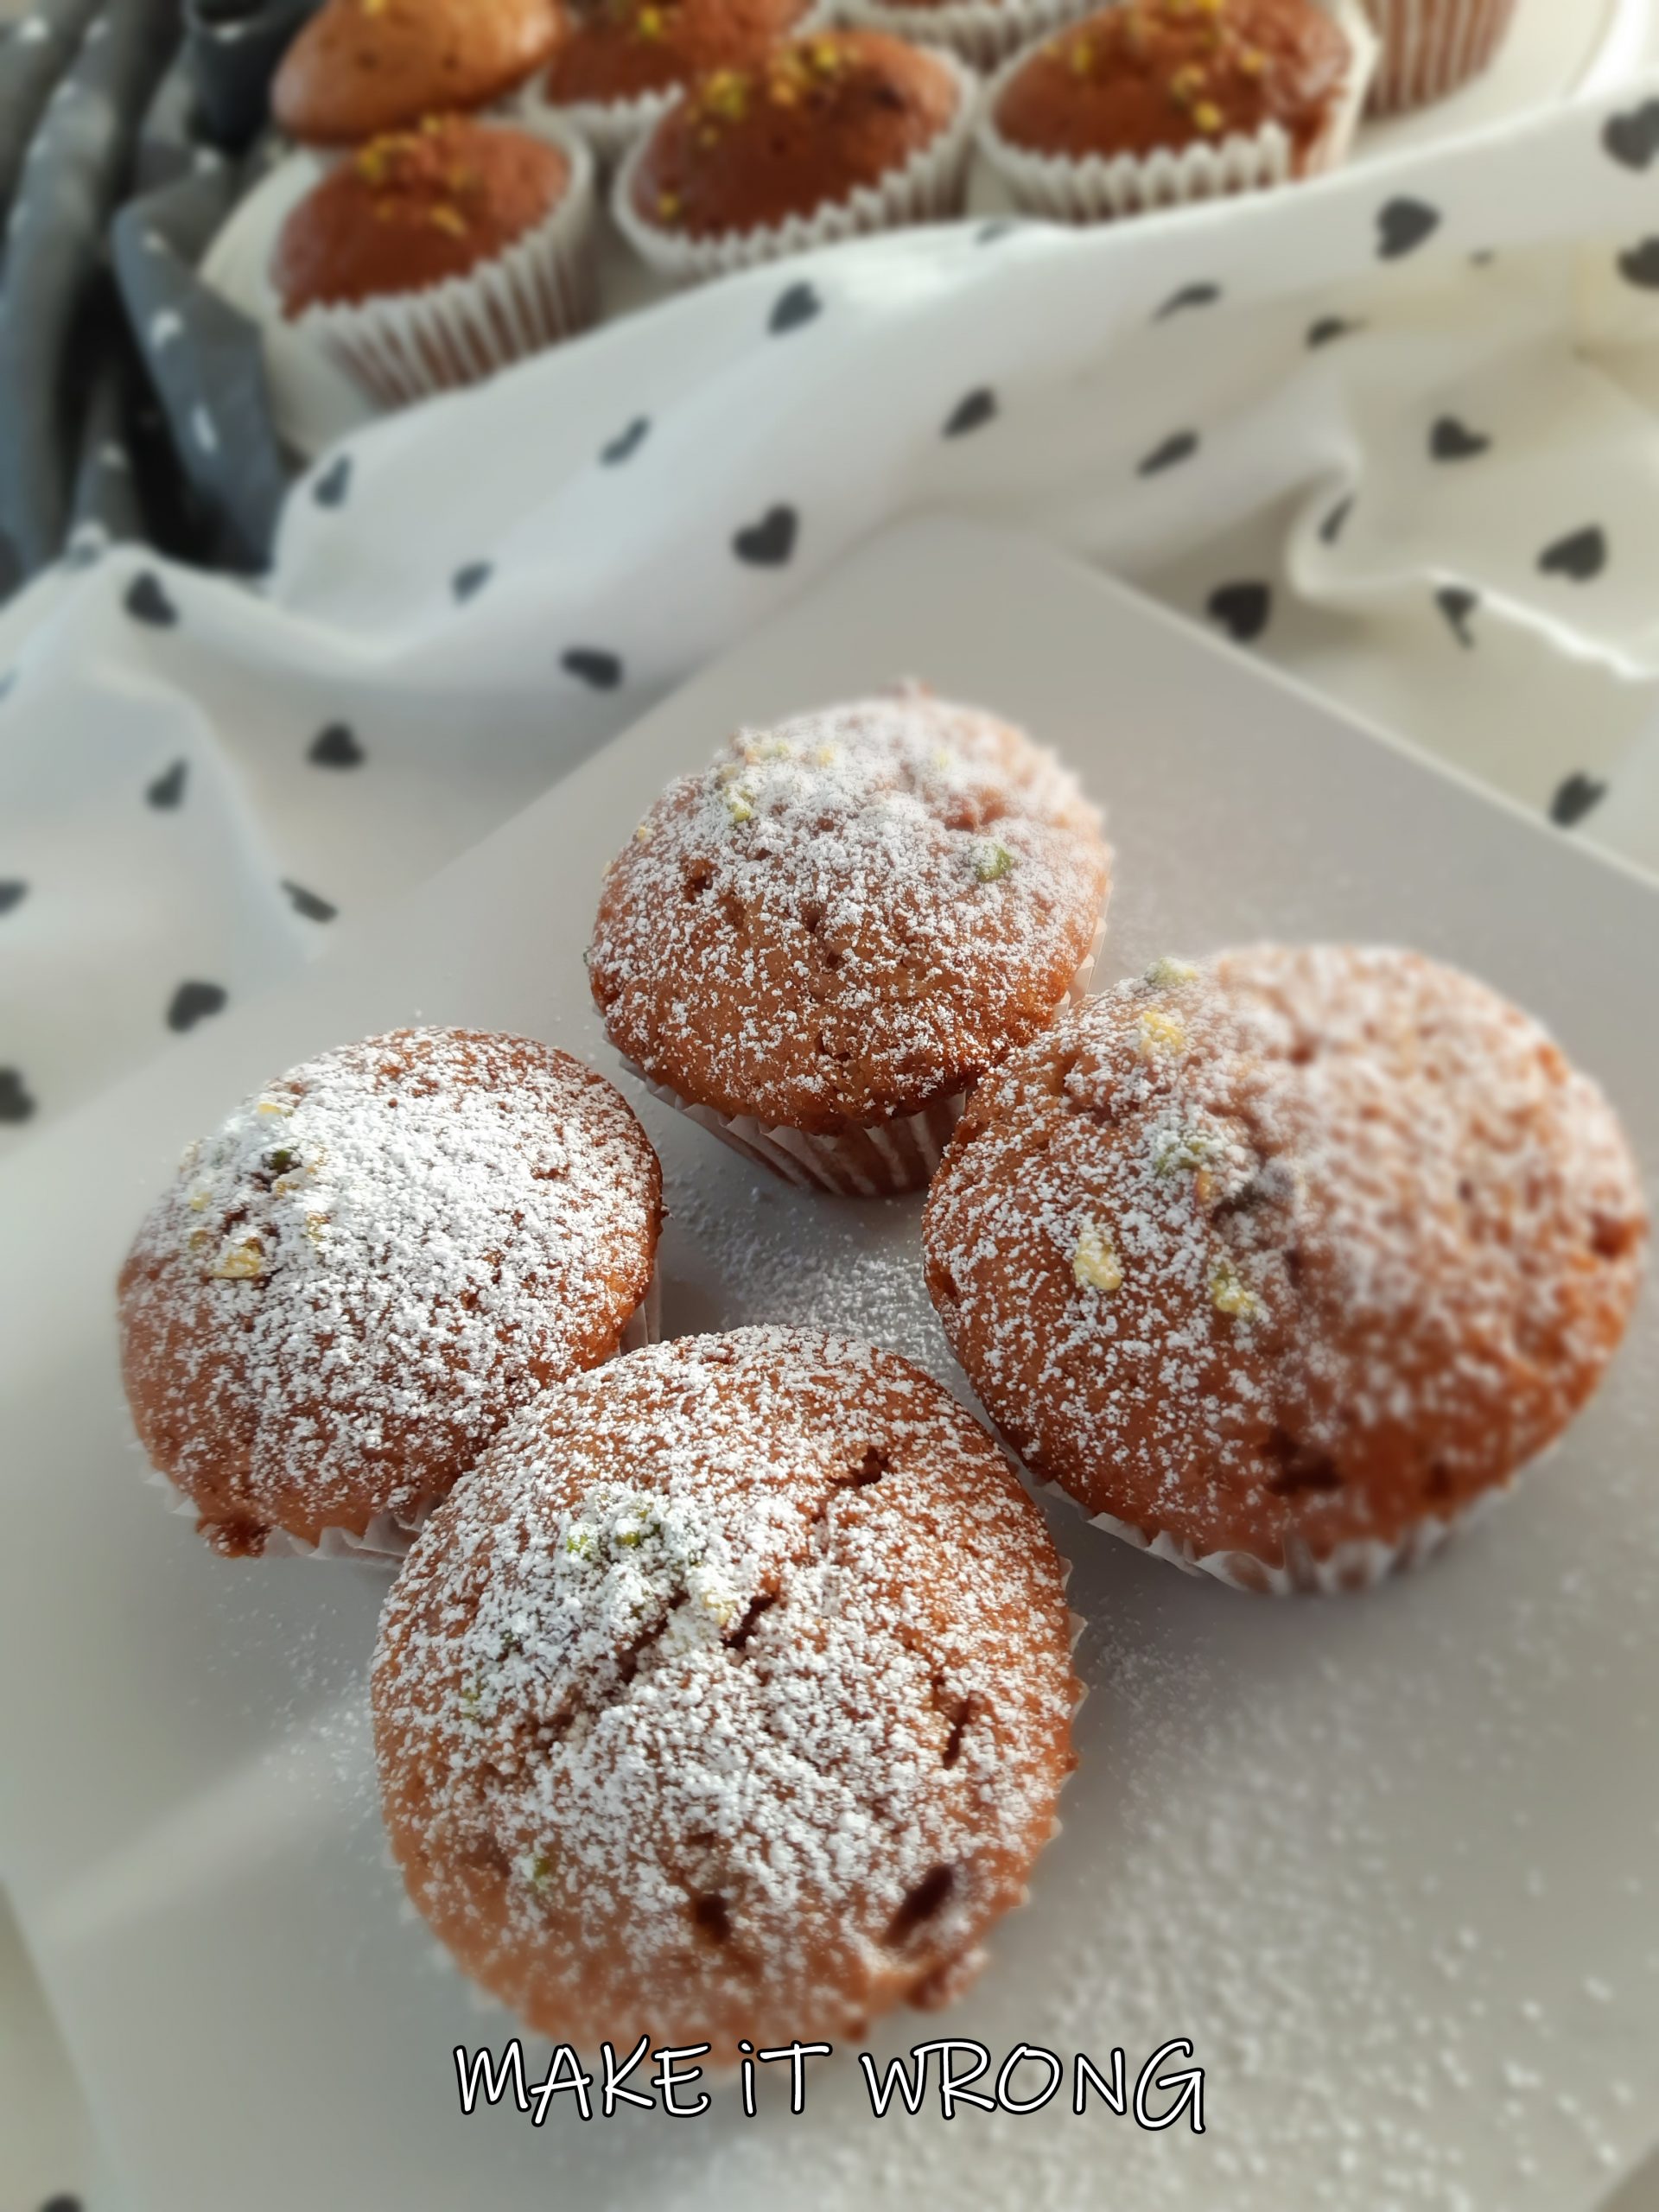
{"x": 1556, "y": 48}
{"x": 1389, "y": 1863}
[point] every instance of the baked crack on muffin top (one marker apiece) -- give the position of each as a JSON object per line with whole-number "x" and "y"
{"x": 729, "y": 1697}
{"x": 850, "y": 916}
{"x": 1290, "y": 1247}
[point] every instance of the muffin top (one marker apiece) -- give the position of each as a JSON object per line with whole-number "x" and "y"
{"x": 356, "y": 1280}
{"x": 362, "y": 67}
{"x": 1153, "y": 74}
{"x": 1299, "y": 1244}
{"x": 732, "y": 1693}
{"x": 620, "y": 49}
{"x": 746, "y": 149}
{"x": 413, "y": 209}
{"x": 848, "y": 916}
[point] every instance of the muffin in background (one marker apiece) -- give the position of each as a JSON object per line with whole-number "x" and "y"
{"x": 731, "y": 1696}
{"x": 815, "y": 945}
{"x": 436, "y": 257}
{"x": 1153, "y": 103}
{"x": 620, "y": 63}
{"x": 358, "y": 1278}
{"x": 834, "y": 135}
{"x": 1284, "y": 1263}
{"x": 360, "y": 67}
{"x": 1434, "y": 47}
{"x": 984, "y": 33}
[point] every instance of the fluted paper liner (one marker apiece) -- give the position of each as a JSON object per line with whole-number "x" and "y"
{"x": 406, "y": 345}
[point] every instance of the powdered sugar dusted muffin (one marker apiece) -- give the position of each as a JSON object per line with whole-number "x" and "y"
{"x": 819, "y": 942}
{"x": 1283, "y": 1262}
{"x": 368, "y": 1267}
{"x": 729, "y": 1698}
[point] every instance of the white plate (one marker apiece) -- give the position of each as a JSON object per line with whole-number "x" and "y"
{"x": 1556, "y": 47}
{"x": 1388, "y": 1863}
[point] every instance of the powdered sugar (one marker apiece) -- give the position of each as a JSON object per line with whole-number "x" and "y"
{"x": 358, "y": 1277}
{"x": 850, "y": 915}
{"x": 1304, "y": 1244}
{"x": 741, "y": 1669}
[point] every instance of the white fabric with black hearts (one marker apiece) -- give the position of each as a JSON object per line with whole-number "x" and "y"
{"x": 1397, "y": 431}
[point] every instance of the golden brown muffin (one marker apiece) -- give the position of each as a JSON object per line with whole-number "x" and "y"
{"x": 618, "y": 50}
{"x": 414, "y": 208}
{"x": 730, "y": 1697}
{"x": 362, "y": 67}
{"x": 1293, "y": 1251}
{"x": 365, "y": 1270}
{"x": 849, "y": 918}
{"x": 1149, "y": 74}
{"x": 746, "y": 149}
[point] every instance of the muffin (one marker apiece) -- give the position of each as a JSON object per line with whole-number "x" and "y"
{"x": 1151, "y": 103}
{"x": 621, "y": 62}
{"x": 361, "y": 67}
{"x": 1432, "y": 46}
{"x": 357, "y": 1280}
{"x": 819, "y": 942}
{"x": 731, "y": 1694}
{"x": 834, "y": 135}
{"x": 433, "y": 257}
{"x": 1283, "y": 1263}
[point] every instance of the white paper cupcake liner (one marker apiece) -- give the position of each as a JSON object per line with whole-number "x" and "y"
{"x": 1097, "y": 190}
{"x": 1431, "y": 47}
{"x": 385, "y": 1543}
{"x": 929, "y": 187}
{"x": 983, "y": 33}
{"x": 883, "y": 1159}
{"x": 406, "y": 345}
{"x": 1358, "y": 1563}
{"x": 610, "y": 127}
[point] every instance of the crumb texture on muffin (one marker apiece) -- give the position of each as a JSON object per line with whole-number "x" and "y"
{"x": 414, "y": 208}
{"x": 1153, "y": 74}
{"x": 622, "y": 49}
{"x": 1297, "y": 1244}
{"x": 730, "y": 1697}
{"x": 848, "y": 916}
{"x": 745, "y": 149}
{"x": 362, "y": 67}
{"x": 358, "y": 1278}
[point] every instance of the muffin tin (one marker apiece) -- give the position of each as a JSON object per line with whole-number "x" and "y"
{"x": 1553, "y": 51}
{"x": 1361, "y": 1855}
